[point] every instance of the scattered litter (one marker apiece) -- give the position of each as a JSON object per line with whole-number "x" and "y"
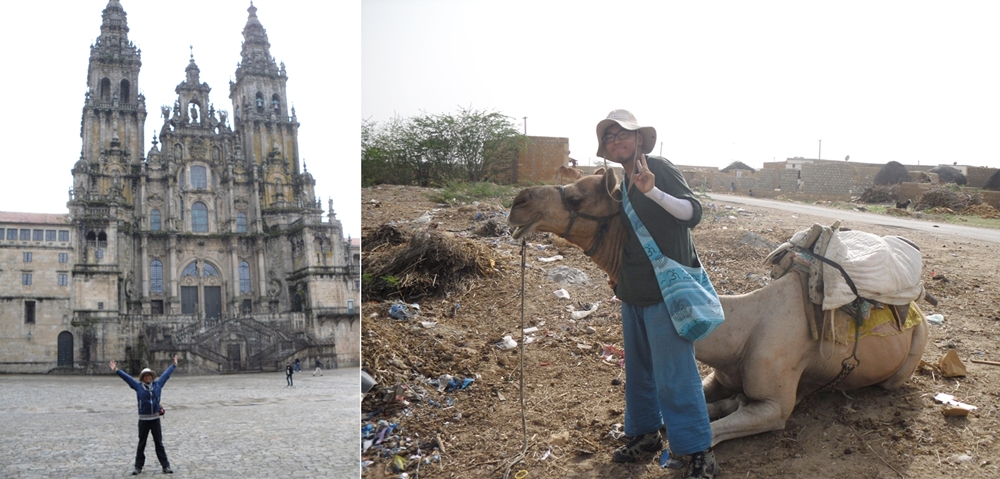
{"x": 561, "y": 293}
{"x": 564, "y": 274}
{"x": 424, "y": 218}
{"x": 953, "y": 407}
{"x": 576, "y": 315}
{"x": 529, "y": 330}
{"x": 951, "y": 366}
{"x": 500, "y": 396}
{"x": 546, "y": 455}
{"x": 428, "y": 324}
{"x": 401, "y": 311}
{"x": 507, "y": 343}
{"x": 935, "y": 319}
{"x": 590, "y": 330}
{"x": 551, "y": 258}
{"x": 616, "y": 431}
{"x": 613, "y": 355}
{"x": 584, "y": 346}
{"x": 959, "y": 458}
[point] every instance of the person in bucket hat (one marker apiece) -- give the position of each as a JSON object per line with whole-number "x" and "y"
{"x": 663, "y": 387}
{"x": 147, "y": 392}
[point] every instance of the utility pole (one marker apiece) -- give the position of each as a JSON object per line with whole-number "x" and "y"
{"x": 661, "y": 148}
{"x": 820, "y": 157}
{"x": 525, "y": 126}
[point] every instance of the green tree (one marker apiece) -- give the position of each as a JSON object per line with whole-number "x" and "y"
{"x": 470, "y": 145}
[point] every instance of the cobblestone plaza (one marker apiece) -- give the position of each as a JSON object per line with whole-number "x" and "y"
{"x": 246, "y": 425}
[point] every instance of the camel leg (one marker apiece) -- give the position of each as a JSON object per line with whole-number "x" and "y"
{"x": 714, "y": 390}
{"x": 725, "y": 407}
{"x": 754, "y": 418}
{"x": 912, "y": 360}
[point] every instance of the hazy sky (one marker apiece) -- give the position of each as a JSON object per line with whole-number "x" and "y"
{"x": 47, "y": 53}
{"x": 914, "y": 82}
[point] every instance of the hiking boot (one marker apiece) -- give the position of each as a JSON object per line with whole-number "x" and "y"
{"x": 703, "y": 465}
{"x": 167, "y": 470}
{"x": 639, "y": 445}
{"x": 136, "y": 471}
{"x": 670, "y": 461}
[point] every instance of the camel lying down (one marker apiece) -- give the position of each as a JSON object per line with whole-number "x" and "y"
{"x": 764, "y": 358}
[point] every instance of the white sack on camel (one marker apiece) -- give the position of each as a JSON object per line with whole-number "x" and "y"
{"x": 884, "y": 269}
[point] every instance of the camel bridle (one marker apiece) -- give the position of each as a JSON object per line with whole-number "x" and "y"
{"x": 602, "y": 222}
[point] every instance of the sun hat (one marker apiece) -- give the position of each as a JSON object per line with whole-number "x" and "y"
{"x": 627, "y": 121}
{"x": 147, "y": 371}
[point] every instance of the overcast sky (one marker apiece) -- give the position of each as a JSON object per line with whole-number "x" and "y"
{"x": 914, "y": 82}
{"x": 47, "y": 52}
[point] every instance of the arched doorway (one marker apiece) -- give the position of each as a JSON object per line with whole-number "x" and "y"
{"x": 65, "y": 354}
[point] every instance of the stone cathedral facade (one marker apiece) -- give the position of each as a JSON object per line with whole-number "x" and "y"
{"x": 210, "y": 244}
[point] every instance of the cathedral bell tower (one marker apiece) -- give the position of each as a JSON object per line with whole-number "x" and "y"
{"x": 269, "y": 136}
{"x": 102, "y": 200}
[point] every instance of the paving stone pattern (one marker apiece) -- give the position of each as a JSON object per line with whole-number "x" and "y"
{"x": 239, "y": 426}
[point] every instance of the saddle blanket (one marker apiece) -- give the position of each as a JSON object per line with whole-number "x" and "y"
{"x": 879, "y": 323}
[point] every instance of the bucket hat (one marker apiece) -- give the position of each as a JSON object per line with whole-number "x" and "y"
{"x": 627, "y": 121}
{"x": 147, "y": 371}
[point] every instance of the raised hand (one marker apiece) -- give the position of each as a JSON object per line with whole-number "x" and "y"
{"x": 641, "y": 176}
{"x": 175, "y": 360}
{"x": 114, "y": 365}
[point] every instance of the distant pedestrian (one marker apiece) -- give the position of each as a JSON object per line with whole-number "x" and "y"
{"x": 732, "y": 187}
{"x": 751, "y": 192}
{"x": 288, "y": 375}
{"x": 147, "y": 392}
{"x": 319, "y": 368}
{"x": 298, "y": 366}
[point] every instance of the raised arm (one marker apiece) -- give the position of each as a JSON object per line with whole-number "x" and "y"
{"x": 132, "y": 383}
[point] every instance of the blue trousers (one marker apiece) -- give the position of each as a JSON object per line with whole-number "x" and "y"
{"x": 662, "y": 383}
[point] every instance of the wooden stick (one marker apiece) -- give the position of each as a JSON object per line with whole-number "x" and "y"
{"x": 991, "y": 363}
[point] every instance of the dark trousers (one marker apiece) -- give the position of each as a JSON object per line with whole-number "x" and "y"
{"x": 288, "y": 379}
{"x": 145, "y": 427}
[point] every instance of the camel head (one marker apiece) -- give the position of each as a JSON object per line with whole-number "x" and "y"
{"x": 585, "y": 213}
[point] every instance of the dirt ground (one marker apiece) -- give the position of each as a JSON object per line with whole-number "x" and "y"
{"x": 574, "y": 400}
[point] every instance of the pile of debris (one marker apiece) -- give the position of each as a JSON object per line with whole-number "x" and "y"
{"x": 879, "y": 194}
{"x": 431, "y": 263}
{"x": 947, "y": 198}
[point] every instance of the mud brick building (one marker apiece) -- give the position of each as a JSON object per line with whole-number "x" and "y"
{"x": 210, "y": 244}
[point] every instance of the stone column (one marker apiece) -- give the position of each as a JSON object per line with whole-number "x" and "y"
{"x": 144, "y": 265}
{"x": 235, "y": 290}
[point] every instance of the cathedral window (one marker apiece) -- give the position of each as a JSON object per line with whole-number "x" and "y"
{"x": 199, "y": 217}
{"x": 244, "y": 277}
{"x": 27, "y": 256}
{"x": 105, "y": 89}
{"x": 29, "y": 312}
{"x": 63, "y": 235}
{"x": 37, "y": 235}
{"x": 25, "y": 235}
{"x": 209, "y": 271}
{"x": 260, "y": 103}
{"x": 198, "y": 177}
{"x": 63, "y": 279}
{"x": 64, "y": 257}
{"x": 241, "y": 223}
{"x": 275, "y": 103}
{"x": 50, "y": 235}
{"x": 26, "y": 279}
{"x": 125, "y": 91}
{"x": 156, "y": 276}
{"x": 12, "y": 233}
{"x": 154, "y": 220}
{"x": 190, "y": 270}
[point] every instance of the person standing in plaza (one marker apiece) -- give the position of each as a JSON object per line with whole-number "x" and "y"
{"x": 289, "y": 371}
{"x": 298, "y": 365}
{"x": 663, "y": 387}
{"x": 319, "y": 367}
{"x": 147, "y": 392}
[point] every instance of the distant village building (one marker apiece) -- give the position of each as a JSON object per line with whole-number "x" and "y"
{"x": 212, "y": 245}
